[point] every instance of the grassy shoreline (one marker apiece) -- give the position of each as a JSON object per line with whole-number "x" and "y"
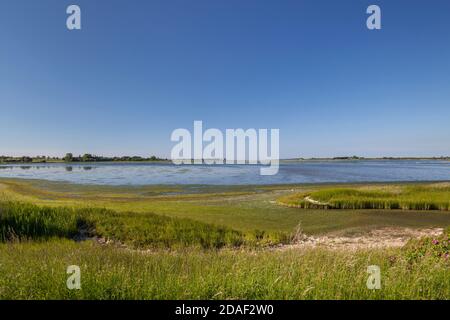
{"x": 175, "y": 242}
{"x": 242, "y": 208}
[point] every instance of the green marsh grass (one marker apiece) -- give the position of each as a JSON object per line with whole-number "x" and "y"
{"x": 408, "y": 197}
{"x": 244, "y": 209}
{"x": 21, "y": 221}
{"x": 38, "y": 271}
{"x": 193, "y": 256}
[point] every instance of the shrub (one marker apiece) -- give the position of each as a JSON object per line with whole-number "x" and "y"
{"x": 436, "y": 247}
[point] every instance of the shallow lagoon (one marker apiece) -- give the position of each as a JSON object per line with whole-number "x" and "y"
{"x": 290, "y": 172}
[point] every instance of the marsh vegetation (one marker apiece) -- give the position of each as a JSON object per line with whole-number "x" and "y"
{"x": 389, "y": 197}
{"x": 222, "y": 242}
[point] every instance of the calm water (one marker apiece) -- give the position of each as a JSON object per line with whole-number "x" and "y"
{"x": 292, "y": 172}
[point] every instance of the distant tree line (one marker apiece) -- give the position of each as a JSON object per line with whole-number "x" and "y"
{"x": 349, "y": 158}
{"x": 380, "y": 158}
{"x": 69, "y": 157}
{"x": 93, "y": 158}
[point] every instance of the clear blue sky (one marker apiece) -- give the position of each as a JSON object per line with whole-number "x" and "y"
{"x": 139, "y": 69}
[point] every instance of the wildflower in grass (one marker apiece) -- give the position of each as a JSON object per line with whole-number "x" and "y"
{"x": 435, "y": 241}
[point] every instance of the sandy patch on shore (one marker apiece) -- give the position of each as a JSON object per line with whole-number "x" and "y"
{"x": 310, "y": 200}
{"x": 391, "y": 237}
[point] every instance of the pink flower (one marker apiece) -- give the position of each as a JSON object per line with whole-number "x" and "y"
{"x": 435, "y": 241}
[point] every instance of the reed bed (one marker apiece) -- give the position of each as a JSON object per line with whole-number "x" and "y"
{"x": 385, "y": 198}
{"x": 21, "y": 221}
